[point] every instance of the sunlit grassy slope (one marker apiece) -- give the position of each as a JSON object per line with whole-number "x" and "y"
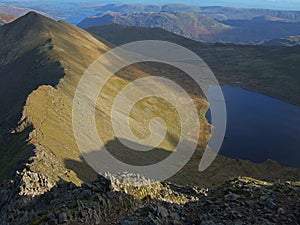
{"x": 41, "y": 63}
{"x": 269, "y": 70}
{"x": 49, "y": 103}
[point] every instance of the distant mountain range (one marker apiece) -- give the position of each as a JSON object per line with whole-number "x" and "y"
{"x": 286, "y": 41}
{"x": 6, "y": 18}
{"x": 208, "y": 24}
{"x": 201, "y": 27}
{"x": 215, "y": 12}
{"x": 268, "y": 70}
{"x": 16, "y": 11}
{"x": 10, "y": 13}
{"x": 192, "y": 25}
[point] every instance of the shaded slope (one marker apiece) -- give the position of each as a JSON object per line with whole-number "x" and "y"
{"x": 25, "y": 64}
{"x": 272, "y": 71}
{"x": 200, "y": 27}
{"x": 286, "y": 41}
{"x": 257, "y": 68}
{"x": 26, "y": 60}
{"x": 104, "y": 202}
{"x": 49, "y": 99}
{"x": 47, "y": 112}
{"x": 113, "y": 33}
{"x": 30, "y": 57}
{"x": 257, "y": 29}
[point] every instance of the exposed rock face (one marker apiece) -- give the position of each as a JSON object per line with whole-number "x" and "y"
{"x": 33, "y": 183}
{"x": 239, "y": 201}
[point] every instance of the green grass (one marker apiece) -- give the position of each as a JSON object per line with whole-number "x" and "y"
{"x": 269, "y": 70}
{"x": 14, "y": 151}
{"x": 48, "y": 104}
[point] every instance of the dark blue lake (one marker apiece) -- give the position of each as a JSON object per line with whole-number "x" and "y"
{"x": 260, "y": 128}
{"x": 76, "y": 19}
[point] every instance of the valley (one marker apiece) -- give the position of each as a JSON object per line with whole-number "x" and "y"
{"x": 67, "y": 61}
{"x": 47, "y": 176}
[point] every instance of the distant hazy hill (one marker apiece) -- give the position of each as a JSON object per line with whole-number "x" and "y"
{"x": 10, "y": 13}
{"x": 202, "y": 28}
{"x": 258, "y": 29}
{"x": 287, "y": 41}
{"x": 216, "y": 12}
{"x": 11, "y": 10}
{"x": 6, "y": 18}
{"x": 188, "y": 24}
{"x": 226, "y": 13}
{"x": 269, "y": 70}
{"x": 130, "y": 8}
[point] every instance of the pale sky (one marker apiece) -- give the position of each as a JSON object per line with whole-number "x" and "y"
{"x": 271, "y": 4}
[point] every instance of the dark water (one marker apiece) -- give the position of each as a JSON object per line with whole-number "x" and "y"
{"x": 260, "y": 128}
{"x": 76, "y": 19}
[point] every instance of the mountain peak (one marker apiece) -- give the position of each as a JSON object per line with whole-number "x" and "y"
{"x": 32, "y": 13}
{"x": 34, "y": 18}
{"x": 28, "y": 30}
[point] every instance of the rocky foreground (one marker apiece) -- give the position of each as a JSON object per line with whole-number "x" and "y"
{"x": 103, "y": 201}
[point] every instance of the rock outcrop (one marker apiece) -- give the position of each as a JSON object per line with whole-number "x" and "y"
{"x": 239, "y": 201}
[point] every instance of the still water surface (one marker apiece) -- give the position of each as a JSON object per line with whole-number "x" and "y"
{"x": 260, "y": 128}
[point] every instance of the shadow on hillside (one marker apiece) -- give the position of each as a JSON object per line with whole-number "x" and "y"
{"x": 22, "y": 76}
{"x": 119, "y": 152}
{"x": 19, "y": 77}
{"x": 167, "y": 71}
{"x": 15, "y": 151}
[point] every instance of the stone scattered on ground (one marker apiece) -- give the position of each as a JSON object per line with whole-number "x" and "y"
{"x": 237, "y": 202}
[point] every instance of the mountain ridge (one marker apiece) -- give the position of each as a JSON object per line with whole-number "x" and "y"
{"x": 36, "y": 60}
{"x": 201, "y": 27}
{"x": 237, "y": 61}
{"x": 106, "y": 201}
{"x": 40, "y": 114}
{"x": 48, "y": 105}
{"x": 290, "y": 41}
{"x": 192, "y": 25}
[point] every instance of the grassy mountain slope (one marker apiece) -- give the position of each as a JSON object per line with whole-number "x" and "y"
{"x": 41, "y": 64}
{"x": 257, "y": 68}
{"x": 272, "y": 71}
{"x": 26, "y": 62}
{"x": 39, "y": 93}
{"x": 38, "y": 51}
